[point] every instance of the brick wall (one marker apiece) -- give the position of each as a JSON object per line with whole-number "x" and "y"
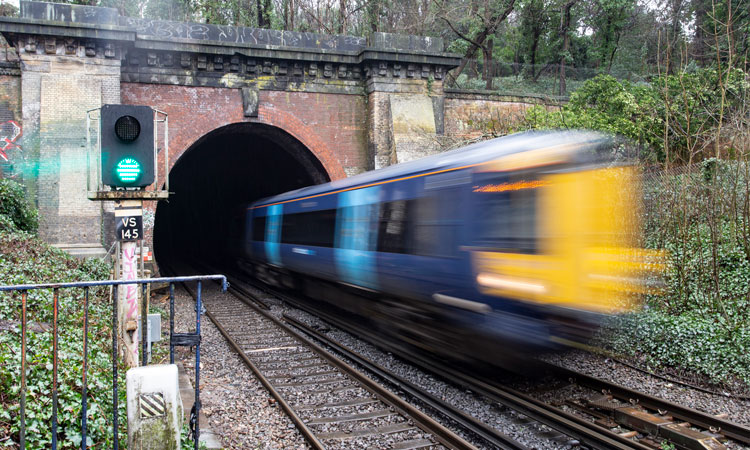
{"x": 471, "y": 115}
{"x": 193, "y": 112}
{"x": 332, "y": 126}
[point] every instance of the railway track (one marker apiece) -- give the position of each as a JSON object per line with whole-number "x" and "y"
{"x": 575, "y": 430}
{"x": 611, "y": 416}
{"x": 618, "y": 407}
{"x": 331, "y": 403}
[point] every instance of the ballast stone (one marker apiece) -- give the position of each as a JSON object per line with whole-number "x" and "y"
{"x": 154, "y": 408}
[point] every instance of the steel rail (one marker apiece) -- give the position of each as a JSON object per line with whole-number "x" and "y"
{"x": 303, "y": 429}
{"x": 441, "y": 434}
{"x": 491, "y": 435}
{"x": 730, "y": 429}
{"x": 426, "y": 423}
{"x": 569, "y": 424}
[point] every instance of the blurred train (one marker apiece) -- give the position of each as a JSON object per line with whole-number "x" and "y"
{"x": 503, "y": 248}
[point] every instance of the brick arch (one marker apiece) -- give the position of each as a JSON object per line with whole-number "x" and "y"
{"x": 197, "y": 112}
{"x": 307, "y": 136}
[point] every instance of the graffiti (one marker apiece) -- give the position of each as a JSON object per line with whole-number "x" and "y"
{"x": 129, "y": 272}
{"x": 10, "y": 131}
{"x": 242, "y": 35}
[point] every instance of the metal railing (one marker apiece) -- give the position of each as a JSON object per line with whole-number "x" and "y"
{"x": 176, "y": 339}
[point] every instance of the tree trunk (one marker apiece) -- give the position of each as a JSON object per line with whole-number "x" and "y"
{"x": 489, "y": 69}
{"x": 342, "y": 17}
{"x": 534, "y": 47}
{"x": 292, "y": 8}
{"x": 700, "y": 44}
{"x": 263, "y": 19}
{"x": 564, "y": 26}
{"x": 373, "y": 12}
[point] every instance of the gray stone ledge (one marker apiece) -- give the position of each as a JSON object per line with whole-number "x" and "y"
{"x": 12, "y": 68}
{"x": 405, "y": 42}
{"x": 225, "y": 48}
{"x": 38, "y": 17}
{"x": 65, "y": 29}
{"x": 69, "y": 13}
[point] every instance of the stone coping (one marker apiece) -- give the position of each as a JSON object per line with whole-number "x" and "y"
{"x": 98, "y": 22}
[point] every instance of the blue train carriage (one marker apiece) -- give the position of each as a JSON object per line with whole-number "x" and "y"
{"x": 520, "y": 242}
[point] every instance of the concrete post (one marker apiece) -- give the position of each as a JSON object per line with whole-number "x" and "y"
{"x": 154, "y": 408}
{"x": 128, "y": 305}
{"x": 128, "y": 301}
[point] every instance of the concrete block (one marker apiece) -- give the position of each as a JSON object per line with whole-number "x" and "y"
{"x": 154, "y": 408}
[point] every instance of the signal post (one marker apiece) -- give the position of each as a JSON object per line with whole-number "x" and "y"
{"x": 124, "y": 167}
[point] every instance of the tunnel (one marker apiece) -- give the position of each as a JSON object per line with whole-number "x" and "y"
{"x": 213, "y": 182}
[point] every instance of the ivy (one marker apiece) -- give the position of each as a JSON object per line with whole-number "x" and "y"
{"x": 15, "y": 210}
{"x": 25, "y": 259}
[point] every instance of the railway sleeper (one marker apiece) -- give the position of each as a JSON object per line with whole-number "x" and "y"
{"x": 659, "y": 427}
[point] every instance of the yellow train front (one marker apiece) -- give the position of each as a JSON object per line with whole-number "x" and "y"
{"x": 498, "y": 250}
{"x": 559, "y": 232}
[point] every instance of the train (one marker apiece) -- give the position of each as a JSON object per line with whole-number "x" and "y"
{"x": 496, "y": 251}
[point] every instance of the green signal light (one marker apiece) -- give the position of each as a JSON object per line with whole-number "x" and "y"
{"x": 128, "y": 170}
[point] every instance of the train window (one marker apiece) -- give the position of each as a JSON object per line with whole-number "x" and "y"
{"x": 436, "y": 224}
{"x": 314, "y": 228}
{"x": 357, "y": 227}
{"x": 259, "y": 228}
{"x": 426, "y": 226}
{"x": 394, "y": 227}
{"x": 506, "y": 218}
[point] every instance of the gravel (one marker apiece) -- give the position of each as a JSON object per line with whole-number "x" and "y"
{"x": 239, "y": 409}
{"x": 737, "y": 409}
{"x": 512, "y": 424}
{"x": 243, "y": 414}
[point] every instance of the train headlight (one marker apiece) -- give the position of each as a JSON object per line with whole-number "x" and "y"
{"x": 510, "y": 284}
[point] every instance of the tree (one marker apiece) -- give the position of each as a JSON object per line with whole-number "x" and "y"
{"x": 535, "y": 19}
{"x": 608, "y": 22}
{"x": 264, "y": 13}
{"x": 480, "y": 25}
{"x": 565, "y": 22}
{"x": 8, "y": 10}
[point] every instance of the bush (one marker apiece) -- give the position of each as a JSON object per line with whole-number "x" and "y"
{"x": 673, "y": 118}
{"x": 701, "y": 215}
{"x": 694, "y": 342}
{"x": 15, "y": 208}
{"x": 606, "y": 104}
{"x": 25, "y": 259}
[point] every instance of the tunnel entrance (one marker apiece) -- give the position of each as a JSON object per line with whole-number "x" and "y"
{"x": 213, "y": 182}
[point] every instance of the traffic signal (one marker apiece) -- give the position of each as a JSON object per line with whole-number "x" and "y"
{"x": 127, "y": 141}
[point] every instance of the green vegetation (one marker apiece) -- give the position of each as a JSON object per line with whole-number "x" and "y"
{"x": 15, "y": 211}
{"x": 552, "y": 45}
{"x": 25, "y": 259}
{"x": 675, "y": 118}
{"x": 700, "y": 214}
{"x": 694, "y": 134}
{"x": 517, "y": 84}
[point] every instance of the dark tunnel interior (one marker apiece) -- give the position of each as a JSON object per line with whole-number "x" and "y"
{"x": 213, "y": 182}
